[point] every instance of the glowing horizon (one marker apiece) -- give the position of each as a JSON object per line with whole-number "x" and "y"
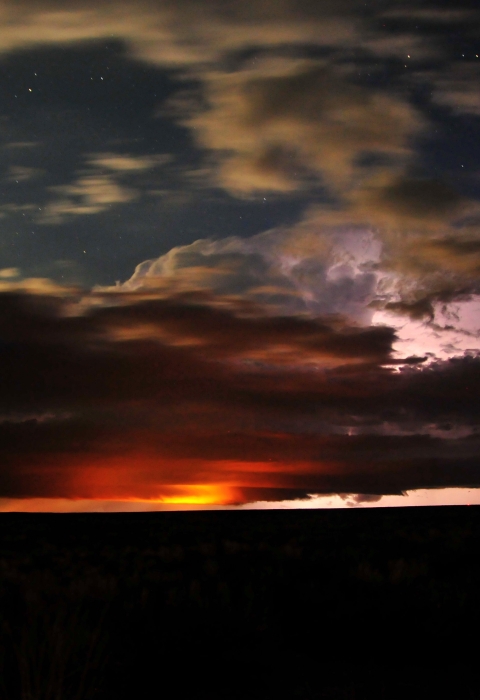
{"x": 416, "y": 498}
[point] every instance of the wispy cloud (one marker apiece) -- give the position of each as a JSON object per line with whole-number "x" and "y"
{"x": 90, "y": 194}
{"x": 279, "y": 122}
{"x": 457, "y": 88}
{"x": 21, "y": 173}
{"x": 125, "y": 163}
{"x": 100, "y": 186}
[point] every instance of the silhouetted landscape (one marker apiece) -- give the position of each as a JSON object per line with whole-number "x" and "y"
{"x": 373, "y": 603}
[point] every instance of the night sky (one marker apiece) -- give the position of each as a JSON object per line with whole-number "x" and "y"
{"x": 239, "y": 253}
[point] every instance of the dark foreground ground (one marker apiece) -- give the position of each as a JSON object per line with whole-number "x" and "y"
{"x": 279, "y": 604}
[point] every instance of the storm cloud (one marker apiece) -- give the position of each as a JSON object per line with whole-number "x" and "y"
{"x": 129, "y": 390}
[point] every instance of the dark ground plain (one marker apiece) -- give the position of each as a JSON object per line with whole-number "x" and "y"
{"x": 381, "y": 603}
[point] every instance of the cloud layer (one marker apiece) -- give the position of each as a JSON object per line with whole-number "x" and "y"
{"x": 159, "y": 398}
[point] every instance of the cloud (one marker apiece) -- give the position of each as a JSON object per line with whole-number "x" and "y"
{"x": 11, "y": 207}
{"x": 406, "y": 46}
{"x": 20, "y": 145}
{"x": 185, "y": 325}
{"x": 433, "y": 15}
{"x": 411, "y": 201}
{"x": 456, "y": 87}
{"x": 89, "y": 194}
{"x": 20, "y": 173}
{"x": 125, "y": 163}
{"x": 275, "y": 124}
{"x": 409, "y": 205}
{"x": 426, "y": 234}
{"x": 11, "y": 281}
{"x": 310, "y": 271}
{"x": 99, "y": 186}
{"x": 173, "y": 33}
{"x": 354, "y": 500}
{"x": 133, "y": 382}
{"x": 9, "y": 272}
{"x": 454, "y": 253}
{"x": 412, "y": 268}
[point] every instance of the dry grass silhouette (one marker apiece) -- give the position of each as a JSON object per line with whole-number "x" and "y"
{"x": 57, "y": 651}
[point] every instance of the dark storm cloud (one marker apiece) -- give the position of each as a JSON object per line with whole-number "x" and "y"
{"x": 141, "y": 349}
{"x": 145, "y": 381}
{"x": 423, "y": 308}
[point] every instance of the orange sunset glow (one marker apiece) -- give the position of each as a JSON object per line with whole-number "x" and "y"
{"x": 153, "y": 478}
